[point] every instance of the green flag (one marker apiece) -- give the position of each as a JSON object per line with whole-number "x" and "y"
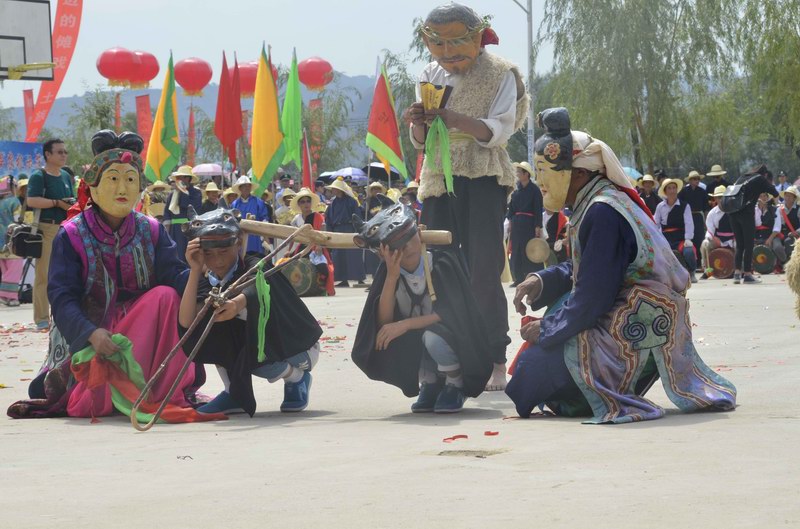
{"x": 292, "y": 117}
{"x": 164, "y": 147}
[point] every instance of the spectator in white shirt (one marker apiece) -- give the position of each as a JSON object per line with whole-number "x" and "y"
{"x": 675, "y": 219}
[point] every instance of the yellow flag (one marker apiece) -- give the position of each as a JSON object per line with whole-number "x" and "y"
{"x": 265, "y": 136}
{"x": 164, "y": 148}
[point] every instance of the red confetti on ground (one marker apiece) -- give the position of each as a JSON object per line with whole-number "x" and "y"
{"x": 490, "y": 433}
{"x": 455, "y": 438}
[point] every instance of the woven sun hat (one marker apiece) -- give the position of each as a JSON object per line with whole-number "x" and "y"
{"x": 525, "y": 166}
{"x": 677, "y": 181}
{"x": 718, "y": 191}
{"x": 717, "y": 170}
{"x": 304, "y": 192}
{"x": 394, "y": 195}
{"x": 287, "y": 193}
{"x": 158, "y": 185}
{"x": 694, "y": 174}
{"x": 341, "y": 186}
{"x": 186, "y": 170}
{"x": 378, "y": 185}
{"x": 212, "y": 187}
{"x": 792, "y": 190}
{"x": 242, "y": 180}
{"x": 646, "y": 178}
{"x": 228, "y": 192}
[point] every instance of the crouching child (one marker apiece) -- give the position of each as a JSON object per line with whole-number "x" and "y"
{"x": 420, "y": 329}
{"x": 290, "y": 333}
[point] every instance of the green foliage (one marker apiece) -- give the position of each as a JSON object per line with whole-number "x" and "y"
{"x": 95, "y": 113}
{"x": 8, "y": 127}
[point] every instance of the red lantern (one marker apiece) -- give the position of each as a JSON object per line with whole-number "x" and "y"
{"x": 247, "y": 78}
{"x": 193, "y": 75}
{"x": 145, "y": 71}
{"x": 315, "y": 73}
{"x": 116, "y": 65}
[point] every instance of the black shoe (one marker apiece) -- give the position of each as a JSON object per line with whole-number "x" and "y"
{"x": 361, "y": 284}
{"x": 343, "y": 284}
{"x": 749, "y": 279}
{"x": 428, "y": 394}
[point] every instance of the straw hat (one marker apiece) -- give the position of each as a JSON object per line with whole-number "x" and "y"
{"x": 228, "y": 192}
{"x": 677, "y": 181}
{"x": 413, "y": 185}
{"x": 394, "y": 195}
{"x": 694, "y": 174}
{"x": 212, "y": 188}
{"x": 22, "y": 183}
{"x": 718, "y": 191}
{"x": 341, "y": 186}
{"x": 242, "y": 180}
{"x": 287, "y": 193}
{"x": 792, "y": 190}
{"x": 268, "y": 196}
{"x": 717, "y": 170}
{"x": 646, "y": 178}
{"x": 525, "y": 166}
{"x": 378, "y": 185}
{"x": 304, "y": 192}
{"x": 158, "y": 185}
{"x": 185, "y": 170}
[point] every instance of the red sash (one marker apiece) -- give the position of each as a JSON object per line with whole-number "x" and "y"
{"x": 786, "y": 221}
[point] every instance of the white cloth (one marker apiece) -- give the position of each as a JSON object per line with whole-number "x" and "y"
{"x": 776, "y": 227}
{"x": 546, "y": 215}
{"x": 595, "y": 155}
{"x": 317, "y": 257}
{"x": 712, "y": 225}
{"x": 502, "y": 112}
{"x": 662, "y": 212}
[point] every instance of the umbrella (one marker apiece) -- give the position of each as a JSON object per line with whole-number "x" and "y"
{"x": 633, "y": 174}
{"x": 207, "y": 169}
{"x": 377, "y": 171}
{"x": 354, "y": 174}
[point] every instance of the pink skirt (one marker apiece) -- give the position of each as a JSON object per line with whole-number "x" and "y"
{"x": 10, "y": 274}
{"x": 151, "y": 324}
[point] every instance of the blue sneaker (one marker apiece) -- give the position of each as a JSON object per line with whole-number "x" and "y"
{"x": 451, "y": 400}
{"x": 43, "y": 325}
{"x": 295, "y": 395}
{"x": 222, "y": 403}
{"x": 428, "y": 393}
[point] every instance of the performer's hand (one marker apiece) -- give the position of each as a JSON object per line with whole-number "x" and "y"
{"x": 688, "y": 244}
{"x": 102, "y": 343}
{"x": 392, "y": 259}
{"x": 448, "y": 116}
{"x": 415, "y": 114}
{"x": 528, "y": 290}
{"x": 194, "y": 255}
{"x": 389, "y": 332}
{"x": 530, "y": 331}
{"x": 231, "y": 308}
{"x": 717, "y": 242}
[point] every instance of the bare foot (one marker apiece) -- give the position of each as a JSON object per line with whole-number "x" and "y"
{"x": 498, "y": 380}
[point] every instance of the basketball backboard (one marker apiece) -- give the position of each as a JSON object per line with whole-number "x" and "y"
{"x": 25, "y": 37}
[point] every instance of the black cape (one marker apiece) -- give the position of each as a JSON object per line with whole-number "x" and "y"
{"x": 461, "y": 327}
{"x": 233, "y": 344}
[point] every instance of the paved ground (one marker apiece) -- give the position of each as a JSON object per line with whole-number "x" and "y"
{"x": 358, "y": 458}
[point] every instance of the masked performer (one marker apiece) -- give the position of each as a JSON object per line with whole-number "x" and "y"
{"x": 420, "y": 329}
{"x": 117, "y": 273}
{"x": 618, "y": 314}
{"x": 184, "y": 194}
{"x": 487, "y": 104}
{"x": 290, "y": 334}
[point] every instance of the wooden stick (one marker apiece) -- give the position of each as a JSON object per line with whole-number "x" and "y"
{"x": 330, "y": 239}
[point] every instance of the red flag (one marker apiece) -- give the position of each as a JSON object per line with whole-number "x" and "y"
{"x": 383, "y": 132}
{"x": 191, "y": 138}
{"x": 228, "y": 118}
{"x": 27, "y": 97}
{"x": 144, "y": 120}
{"x": 307, "y": 164}
{"x": 117, "y": 114}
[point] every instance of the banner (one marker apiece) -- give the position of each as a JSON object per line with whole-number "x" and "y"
{"x": 64, "y": 39}
{"x": 144, "y": 120}
{"x": 18, "y": 157}
{"x": 316, "y": 124}
{"x": 27, "y": 98}
{"x": 191, "y": 138}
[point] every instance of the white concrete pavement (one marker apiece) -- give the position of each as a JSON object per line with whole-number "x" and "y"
{"x": 358, "y": 458}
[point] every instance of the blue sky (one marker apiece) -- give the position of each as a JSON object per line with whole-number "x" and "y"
{"x": 348, "y": 33}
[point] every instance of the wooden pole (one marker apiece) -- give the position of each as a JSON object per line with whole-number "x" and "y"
{"x": 330, "y": 239}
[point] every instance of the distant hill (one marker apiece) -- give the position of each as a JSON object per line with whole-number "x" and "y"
{"x": 62, "y": 108}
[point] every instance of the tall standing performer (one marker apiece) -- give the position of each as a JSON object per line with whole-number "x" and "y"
{"x": 618, "y": 317}
{"x": 464, "y": 187}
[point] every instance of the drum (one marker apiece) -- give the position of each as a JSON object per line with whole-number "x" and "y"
{"x": 538, "y": 251}
{"x": 763, "y": 259}
{"x": 721, "y": 260}
{"x": 303, "y": 277}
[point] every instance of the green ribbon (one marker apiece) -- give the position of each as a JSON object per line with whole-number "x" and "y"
{"x": 262, "y": 289}
{"x": 439, "y": 139}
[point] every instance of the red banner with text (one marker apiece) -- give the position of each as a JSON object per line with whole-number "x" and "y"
{"x": 144, "y": 120}
{"x": 27, "y": 101}
{"x": 64, "y": 39}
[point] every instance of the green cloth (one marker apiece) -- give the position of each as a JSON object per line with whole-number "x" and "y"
{"x": 262, "y": 288}
{"x": 52, "y": 187}
{"x": 439, "y": 140}
{"x": 292, "y": 117}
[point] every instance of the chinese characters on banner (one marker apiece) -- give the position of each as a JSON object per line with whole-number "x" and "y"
{"x": 65, "y": 37}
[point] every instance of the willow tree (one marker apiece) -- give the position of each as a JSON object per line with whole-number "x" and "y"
{"x": 622, "y": 67}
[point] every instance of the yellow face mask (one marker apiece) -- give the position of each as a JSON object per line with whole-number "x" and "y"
{"x": 118, "y": 191}
{"x": 553, "y": 182}
{"x": 452, "y": 45}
